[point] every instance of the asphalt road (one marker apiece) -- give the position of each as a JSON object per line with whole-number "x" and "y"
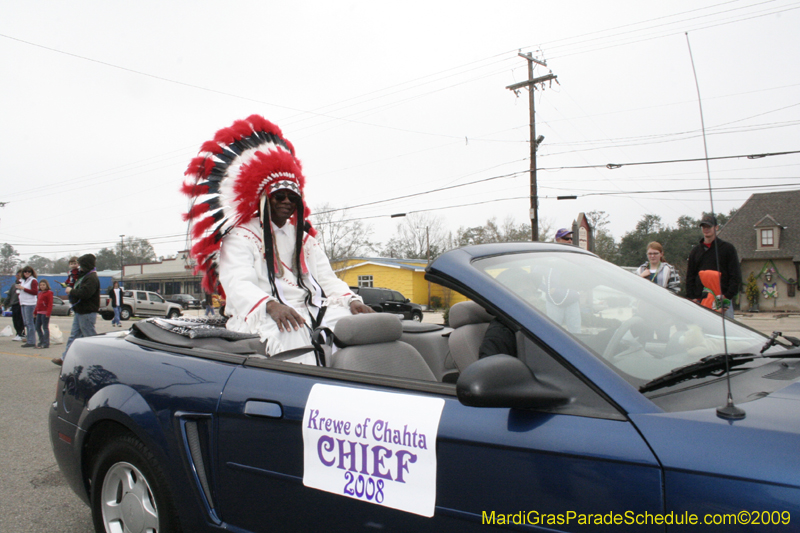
{"x": 34, "y": 497}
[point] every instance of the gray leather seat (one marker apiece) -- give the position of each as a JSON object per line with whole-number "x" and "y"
{"x": 372, "y": 344}
{"x": 469, "y": 322}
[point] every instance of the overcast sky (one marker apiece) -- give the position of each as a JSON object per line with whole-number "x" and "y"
{"x": 103, "y": 104}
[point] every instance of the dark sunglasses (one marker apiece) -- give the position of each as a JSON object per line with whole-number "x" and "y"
{"x": 280, "y": 196}
{"x": 567, "y": 239}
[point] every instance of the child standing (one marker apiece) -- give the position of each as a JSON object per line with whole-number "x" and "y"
{"x": 44, "y": 307}
{"x": 72, "y": 277}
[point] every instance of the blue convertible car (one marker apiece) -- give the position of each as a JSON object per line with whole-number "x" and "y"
{"x": 600, "y": 412}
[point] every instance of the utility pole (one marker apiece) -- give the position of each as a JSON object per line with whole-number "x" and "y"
{"x": 428, "y": 259}
{"x": 530, "y": 83}
{"x": 121, "y": 261}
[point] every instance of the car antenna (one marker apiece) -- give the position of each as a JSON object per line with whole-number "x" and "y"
{"x": 729, "y": 411}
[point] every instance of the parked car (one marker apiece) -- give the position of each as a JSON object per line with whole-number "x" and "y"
{"x": 61, "y": 307}
{"x": 141, "y": 304}
{"x": 615, "y": 422}
{"x": 186, "y": 301}
{"x": 389, "y": 301}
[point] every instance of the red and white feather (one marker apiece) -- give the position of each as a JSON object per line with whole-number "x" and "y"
{"x": 226, "y": 181}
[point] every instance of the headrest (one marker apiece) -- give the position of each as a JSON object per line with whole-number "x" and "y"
{"x": 464, "y": 313}
{"x": 368, "y": 328}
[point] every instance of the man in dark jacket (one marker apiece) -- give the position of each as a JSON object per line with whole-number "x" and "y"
{"x": 12, "y": 302}
{"x": 704, "y": 257}
{"x": 86, "y": 295}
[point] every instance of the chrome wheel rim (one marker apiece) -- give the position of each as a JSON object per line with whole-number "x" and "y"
{"x": 127, "y": 501}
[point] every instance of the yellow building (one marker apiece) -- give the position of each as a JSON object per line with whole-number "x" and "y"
{"x": 406, "y": 276}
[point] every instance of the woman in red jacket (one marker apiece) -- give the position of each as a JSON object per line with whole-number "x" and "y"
{"x": 44, "y": 307}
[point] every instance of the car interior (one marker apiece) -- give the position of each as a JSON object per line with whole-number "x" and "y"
{"x": 376, "y": 343}
{"x": 380, "y": 348}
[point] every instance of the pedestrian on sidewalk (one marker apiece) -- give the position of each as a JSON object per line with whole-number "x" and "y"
{"x": 209, "y": 304}
{"x": 115, "y": 293}
{"x": 12, "y": 302}
{"x": 44, "y": 308}
{"x": 86, "y": 298}
{"x": 28, "y": 292}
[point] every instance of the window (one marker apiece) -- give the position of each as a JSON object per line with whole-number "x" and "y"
{"x": 365, "y": 281}
{"x": 156, "y": 298}
{"x": 767, "y": 237}
{"x": 172, "y": 287}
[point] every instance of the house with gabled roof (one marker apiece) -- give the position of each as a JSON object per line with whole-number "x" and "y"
{"x": 406, "y": 276}
{"x": 766, "y": 234}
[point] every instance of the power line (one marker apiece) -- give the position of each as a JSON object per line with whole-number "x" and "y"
{"x": 613, "y": 166}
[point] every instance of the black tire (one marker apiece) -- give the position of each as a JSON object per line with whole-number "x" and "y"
{"x": 173, "y": 313}
{"x": 125, "y": 313}
{"x": 106, "y": 315}
{"x": 416, "y": 316}
{"x": 147, "y": 500}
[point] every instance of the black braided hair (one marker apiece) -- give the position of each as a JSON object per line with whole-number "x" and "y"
{"x": 269, "y": 248}
{"x": 298, "y": 247}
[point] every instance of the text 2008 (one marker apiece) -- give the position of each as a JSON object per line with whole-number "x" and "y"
{"x": 363, "y": 487}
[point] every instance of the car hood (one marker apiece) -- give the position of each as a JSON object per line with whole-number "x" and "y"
{"x": 762, "y": 446}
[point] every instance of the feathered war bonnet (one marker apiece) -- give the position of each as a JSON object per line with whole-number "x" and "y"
{"x": 227, "y": 184}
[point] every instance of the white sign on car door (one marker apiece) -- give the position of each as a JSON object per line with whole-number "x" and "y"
{"x": 374, "y": 446}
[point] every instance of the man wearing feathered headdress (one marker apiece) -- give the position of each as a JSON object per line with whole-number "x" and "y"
{"x": 252, "y": 242}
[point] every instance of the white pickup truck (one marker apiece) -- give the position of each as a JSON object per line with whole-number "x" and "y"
{"x": 139, "y": 303}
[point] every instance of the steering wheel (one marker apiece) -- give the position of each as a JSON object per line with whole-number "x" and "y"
{"x": 624, "y": 328}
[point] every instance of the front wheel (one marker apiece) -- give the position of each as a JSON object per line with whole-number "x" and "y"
{"x": 416, "y": 317}
{"x": 174, "y": 313}
{"x": 129, "y": 490}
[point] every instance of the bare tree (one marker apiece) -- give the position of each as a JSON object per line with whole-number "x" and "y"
{"x": 134, "y": 251}
{"x": 604, "y": 244}
{"x": 508, "y": 231}
{"x": 416, "y": 235}
{"x": 340, "y": 235}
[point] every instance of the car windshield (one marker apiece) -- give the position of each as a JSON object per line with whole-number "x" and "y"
{"x": 637, "y": 327}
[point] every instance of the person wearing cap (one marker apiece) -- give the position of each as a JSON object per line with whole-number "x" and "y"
{"x": 564, "y": 236}
{"x": 252, "y": 241}
{"x": 712, "y": 253}
{"x": 562, "y": 304}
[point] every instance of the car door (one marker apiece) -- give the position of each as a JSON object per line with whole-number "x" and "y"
{"x": 495, "y": 467}
{"x": 142, "y": 304}
{"x": 401, "y": 304}
{"x": 390, "y": 302}
{"x": 157, "y": 304}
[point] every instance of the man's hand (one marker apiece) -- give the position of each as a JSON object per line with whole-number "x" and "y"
{"x": 357, "y": 307}
{"x": 68, "y": 289}
{"x": 286, "y": 317}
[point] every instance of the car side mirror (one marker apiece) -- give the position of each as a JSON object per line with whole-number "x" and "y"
{"x": 406, "y": 301}
{"x": 504, "y": 381}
